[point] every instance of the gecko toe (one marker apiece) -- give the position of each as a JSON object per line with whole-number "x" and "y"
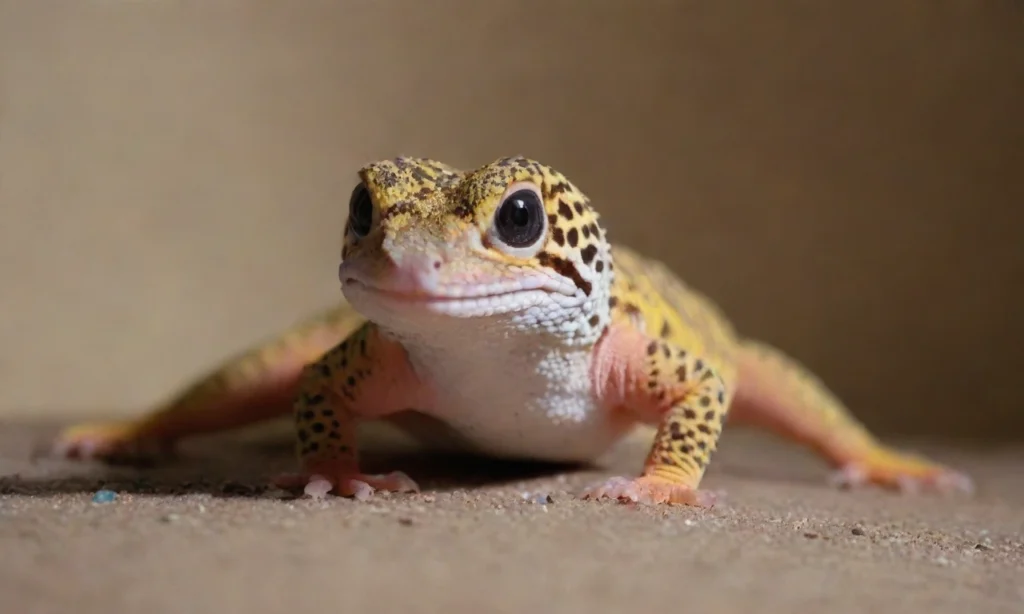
{"x": 909, "y": 479}
{"x": 652, "y": 490}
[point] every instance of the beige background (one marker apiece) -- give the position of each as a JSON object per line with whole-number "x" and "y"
{"x": 845, "y": 178}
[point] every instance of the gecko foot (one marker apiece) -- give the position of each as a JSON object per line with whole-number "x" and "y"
{"x": 651, "y": 490}
{"x": 905, "y": 473}
{"x": 108, "y": 441}
{"x": 361, "y": 486}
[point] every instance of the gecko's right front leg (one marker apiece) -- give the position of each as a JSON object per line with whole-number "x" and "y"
{"x": 364, "y": 377}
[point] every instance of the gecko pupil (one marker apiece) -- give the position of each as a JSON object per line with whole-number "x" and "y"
{"x": 520, "y": 220}
{"x": 360, "y": 211}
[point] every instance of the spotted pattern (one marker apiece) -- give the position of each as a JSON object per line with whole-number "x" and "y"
{"x": 431, "y": 196}
{"x": 325, "y": 421}
{"x": 693, "y": 400}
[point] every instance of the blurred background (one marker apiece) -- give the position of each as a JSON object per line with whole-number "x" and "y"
{"x": 845, "y": 179}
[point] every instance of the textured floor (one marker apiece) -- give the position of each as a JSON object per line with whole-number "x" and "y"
{"x": 205, "y": 535}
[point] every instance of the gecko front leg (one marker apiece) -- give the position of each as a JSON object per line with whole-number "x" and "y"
{"x": 365, "y": 377}
{"x": 687, "y": 396}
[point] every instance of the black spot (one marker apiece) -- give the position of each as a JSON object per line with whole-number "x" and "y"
{"x": 705, "y": 401}
{"x": 702, "y": 445}
{"x": 334, "y": 435}
{"x": 652, "y": 348}
{"x": 703, "y": 428}
{"x": 303, "y": 435}
{"x": 559, "y": 188}
{"x": 308, "y": 415}
{"x": 594, "y": 320}
{"x": 564, "y": 210}
{"x": 565, "y": 268}
{"x": 721, "y": 397}
{"x": 667, "y": 351}
{"x": 558, "y": 236}
{"x": 318, "y": 427}
{"x": 574, "y": 237}
{"x": 599, "y": 266}
{"x": 579, "y": 207}
{"x": 689, "y": 414}
{"x": 324, "y": 368}
{"x": 335, "y": 424}
{"x": 351, "y": 381}
{"x": 552, "y": 219}
{"x": 698, "y": 366}
{"x": 710, "y": 415}
{"x": 681, "y": 374}
{"x": 613, "y": 301}
{"x": 586, "y": 232}
{"x": 588, "y": 254}
{"x": 313, "y": 446}
{"x": 685, "y": 449}
{"x": 665, "y": 330}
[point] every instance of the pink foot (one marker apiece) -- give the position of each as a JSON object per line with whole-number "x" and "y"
{"x": 346, "y": 483}
{"x": 106, "y": 441}
{"x": 651, "y": 490}
{"x": 908, "y": 480}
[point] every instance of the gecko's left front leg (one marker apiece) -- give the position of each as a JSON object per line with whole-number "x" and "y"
{"x": 688, "y": 397}
{"x": 364, "y": 377}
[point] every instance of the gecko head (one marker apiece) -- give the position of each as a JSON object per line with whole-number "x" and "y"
{"x": 513, "y": 243}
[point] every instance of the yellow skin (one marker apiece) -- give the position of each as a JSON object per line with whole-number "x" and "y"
{"x": 492, "y": 303}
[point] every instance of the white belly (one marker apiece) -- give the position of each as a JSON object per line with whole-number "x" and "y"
{"x": 535, "y": 404}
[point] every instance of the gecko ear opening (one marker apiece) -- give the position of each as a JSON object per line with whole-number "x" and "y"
{"x": 520, "y": 222}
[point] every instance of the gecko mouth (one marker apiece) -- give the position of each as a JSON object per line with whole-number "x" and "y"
{"x": 470, "y": 300}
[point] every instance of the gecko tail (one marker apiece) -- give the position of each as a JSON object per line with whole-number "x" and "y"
{"x": 781, "y": 395}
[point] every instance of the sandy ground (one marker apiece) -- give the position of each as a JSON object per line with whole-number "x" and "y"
{"x": 204, "y": 534}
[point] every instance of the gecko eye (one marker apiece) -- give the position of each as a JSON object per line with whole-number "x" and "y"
{"x": 360, "y": 211}
{"x": 520, "y": 219}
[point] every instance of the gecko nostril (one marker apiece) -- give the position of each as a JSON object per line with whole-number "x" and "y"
{"x": 437, "y": 264}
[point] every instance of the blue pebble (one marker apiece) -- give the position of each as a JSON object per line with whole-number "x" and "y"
{"x": 104, "y": 496}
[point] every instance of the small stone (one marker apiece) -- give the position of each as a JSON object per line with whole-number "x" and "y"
{"x": 405, "y": 522}
{"x": 857, "y": 531}
{"x": 104, "y": 496}
{"x": 538, "y": 498}
{"x": 811, "y": 535}
{"x": 981, "y": 547}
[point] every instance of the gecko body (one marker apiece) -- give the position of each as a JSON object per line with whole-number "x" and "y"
{"x": 492, "y": 302}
